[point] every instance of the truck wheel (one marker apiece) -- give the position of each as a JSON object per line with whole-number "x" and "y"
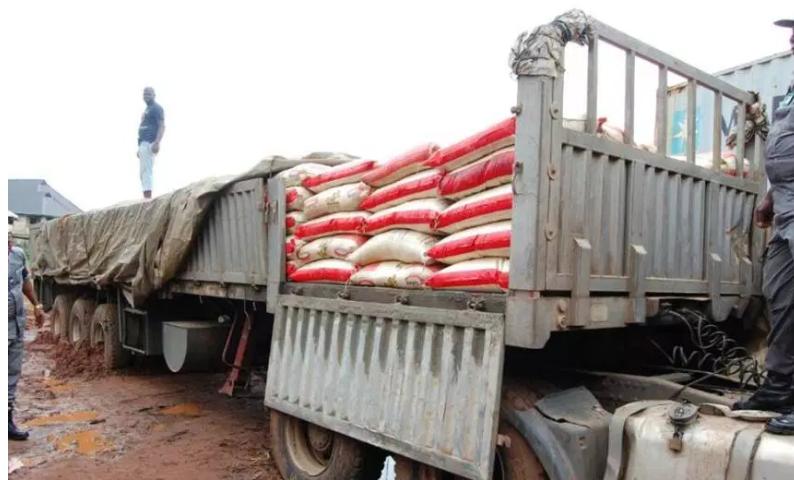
{"x": 80, "y": 322}
{"x": 61, "y": 309}
{"x": 104, "y": 331}
{"x": 304, "y": 451}
{"x": 513, "y": 461}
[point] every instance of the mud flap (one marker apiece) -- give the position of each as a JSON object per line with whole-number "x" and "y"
{"x": 421, "y": 382}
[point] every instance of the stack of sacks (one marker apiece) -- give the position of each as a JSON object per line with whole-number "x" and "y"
{"x": 404, "y": 209}
{"x": 326, "y": 223}
{"x": 437, "y": 218}
{"x": 479, "y": 172}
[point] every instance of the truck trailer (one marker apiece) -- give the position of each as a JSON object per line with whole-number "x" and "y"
{"x": 614, "y": 351}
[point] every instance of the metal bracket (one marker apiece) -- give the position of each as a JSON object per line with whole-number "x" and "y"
{"x": 714, "y": 278}
{"x": 579, "y": 311}
{"x": 637, "y": 283}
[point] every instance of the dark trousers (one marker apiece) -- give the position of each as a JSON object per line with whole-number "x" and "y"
{"x": 779, "y": 292}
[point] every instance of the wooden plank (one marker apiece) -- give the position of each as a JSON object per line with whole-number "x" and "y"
{"x": 628, "y": 114}
{"x": 592, "y": 84}
{"x": 691, "y": 110}
{"x": 660, "y": 127}
{"x": 643, "y": 50}
{"x": 615, "y": 149}
{"x": 716, "y": 141}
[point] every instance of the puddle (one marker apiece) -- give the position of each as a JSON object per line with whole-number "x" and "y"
{"x": 86, "y": 442}
{"x": 73, "y": 417}
{"x": 183, "y": 409}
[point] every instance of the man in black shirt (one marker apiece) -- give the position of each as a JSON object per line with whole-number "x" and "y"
{"x": 150, "y": 132}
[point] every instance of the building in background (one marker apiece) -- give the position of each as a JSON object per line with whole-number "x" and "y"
{"x": 32, "y": 201}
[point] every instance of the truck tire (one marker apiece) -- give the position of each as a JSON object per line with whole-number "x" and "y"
{"x": 304, "y": 451}
{"x": 104, "y": 331}
{"x": 61, "y": 309}
{"x": 80, "y": 322}
{"x": 513, "y": 461}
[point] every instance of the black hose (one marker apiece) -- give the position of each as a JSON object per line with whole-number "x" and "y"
{"x": 712, "y": 351}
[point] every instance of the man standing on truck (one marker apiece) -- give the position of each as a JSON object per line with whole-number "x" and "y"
{"x": 150, "y": 132}
{"x": 777, "y": 208}
{"x": 19, "y": 284}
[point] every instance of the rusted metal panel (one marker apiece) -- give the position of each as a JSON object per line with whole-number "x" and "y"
{"x": 230, "y": 249}
{"x": 421, "y": 382}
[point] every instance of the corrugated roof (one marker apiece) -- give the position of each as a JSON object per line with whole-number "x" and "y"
{"x": 34, "y": 196}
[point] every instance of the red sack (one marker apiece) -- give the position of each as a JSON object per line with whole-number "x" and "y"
{"x": 291, "y": 246}
{"x": 335, "y": 246}
{"x": 293, "y": 219}
{"x": 492, "y": 240}
{"x": 480, "y": 209}
{"x": 417, "y": 215}
{"x": 344, "y": 198}
{"x": 295, "y": 198}
{"x": 482, "y": 274}
{"x": 292, "y": 266}
{"x": 414, "y": 187}
{"x": 293, "y": 177}
{"x": 393, "y": 275}
{"x": 348, "y": 172}
{"x": 400, "y": 167}
{"x": 324, "y": 271}
{"x": 344, "y": 222}
{"x": 494, "y": 170}
{"x": 475, "y": 147}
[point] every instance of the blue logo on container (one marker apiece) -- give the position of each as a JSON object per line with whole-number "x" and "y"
{"x": 678, "y": 139}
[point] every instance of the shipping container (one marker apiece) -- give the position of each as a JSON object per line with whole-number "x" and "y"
{"x": 769, "y": 76}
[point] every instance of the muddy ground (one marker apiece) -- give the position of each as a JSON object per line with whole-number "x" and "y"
{"x": 143, "y": 423}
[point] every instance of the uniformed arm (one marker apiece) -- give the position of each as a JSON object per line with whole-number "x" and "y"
{"x": 30, "y": 293}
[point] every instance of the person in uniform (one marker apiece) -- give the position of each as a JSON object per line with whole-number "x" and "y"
{"x": 777, "y": 210}
{"x": 19, "y": 285}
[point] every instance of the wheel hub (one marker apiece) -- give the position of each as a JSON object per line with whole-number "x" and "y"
{"x": 320, "y": 440}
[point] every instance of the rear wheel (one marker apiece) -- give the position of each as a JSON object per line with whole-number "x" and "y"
{"x": 80, "y": 322}
{"x": 104, "y": 331}
{"x": 514, "y": 460}
{"x": 304, "y": 451}
{"x": 59, "y": 316}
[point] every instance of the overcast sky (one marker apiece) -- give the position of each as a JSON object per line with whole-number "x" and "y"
{"x": 240, "y": 80}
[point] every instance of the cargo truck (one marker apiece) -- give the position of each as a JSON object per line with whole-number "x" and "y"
{"x": 627, "y": 266}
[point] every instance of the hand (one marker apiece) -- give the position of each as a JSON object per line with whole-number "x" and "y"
{"x": 38, "y": 312}
{"x": 731, "y": 140}
{"x": 764, "y": 213}
{"x": 156, "y": 147}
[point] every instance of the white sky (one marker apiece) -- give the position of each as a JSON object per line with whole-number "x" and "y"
{"x": 240, "y": 80}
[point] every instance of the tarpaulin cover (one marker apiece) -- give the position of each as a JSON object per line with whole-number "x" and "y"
{"x": 540, "y": 52}
{"x": 140, "y": 245}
